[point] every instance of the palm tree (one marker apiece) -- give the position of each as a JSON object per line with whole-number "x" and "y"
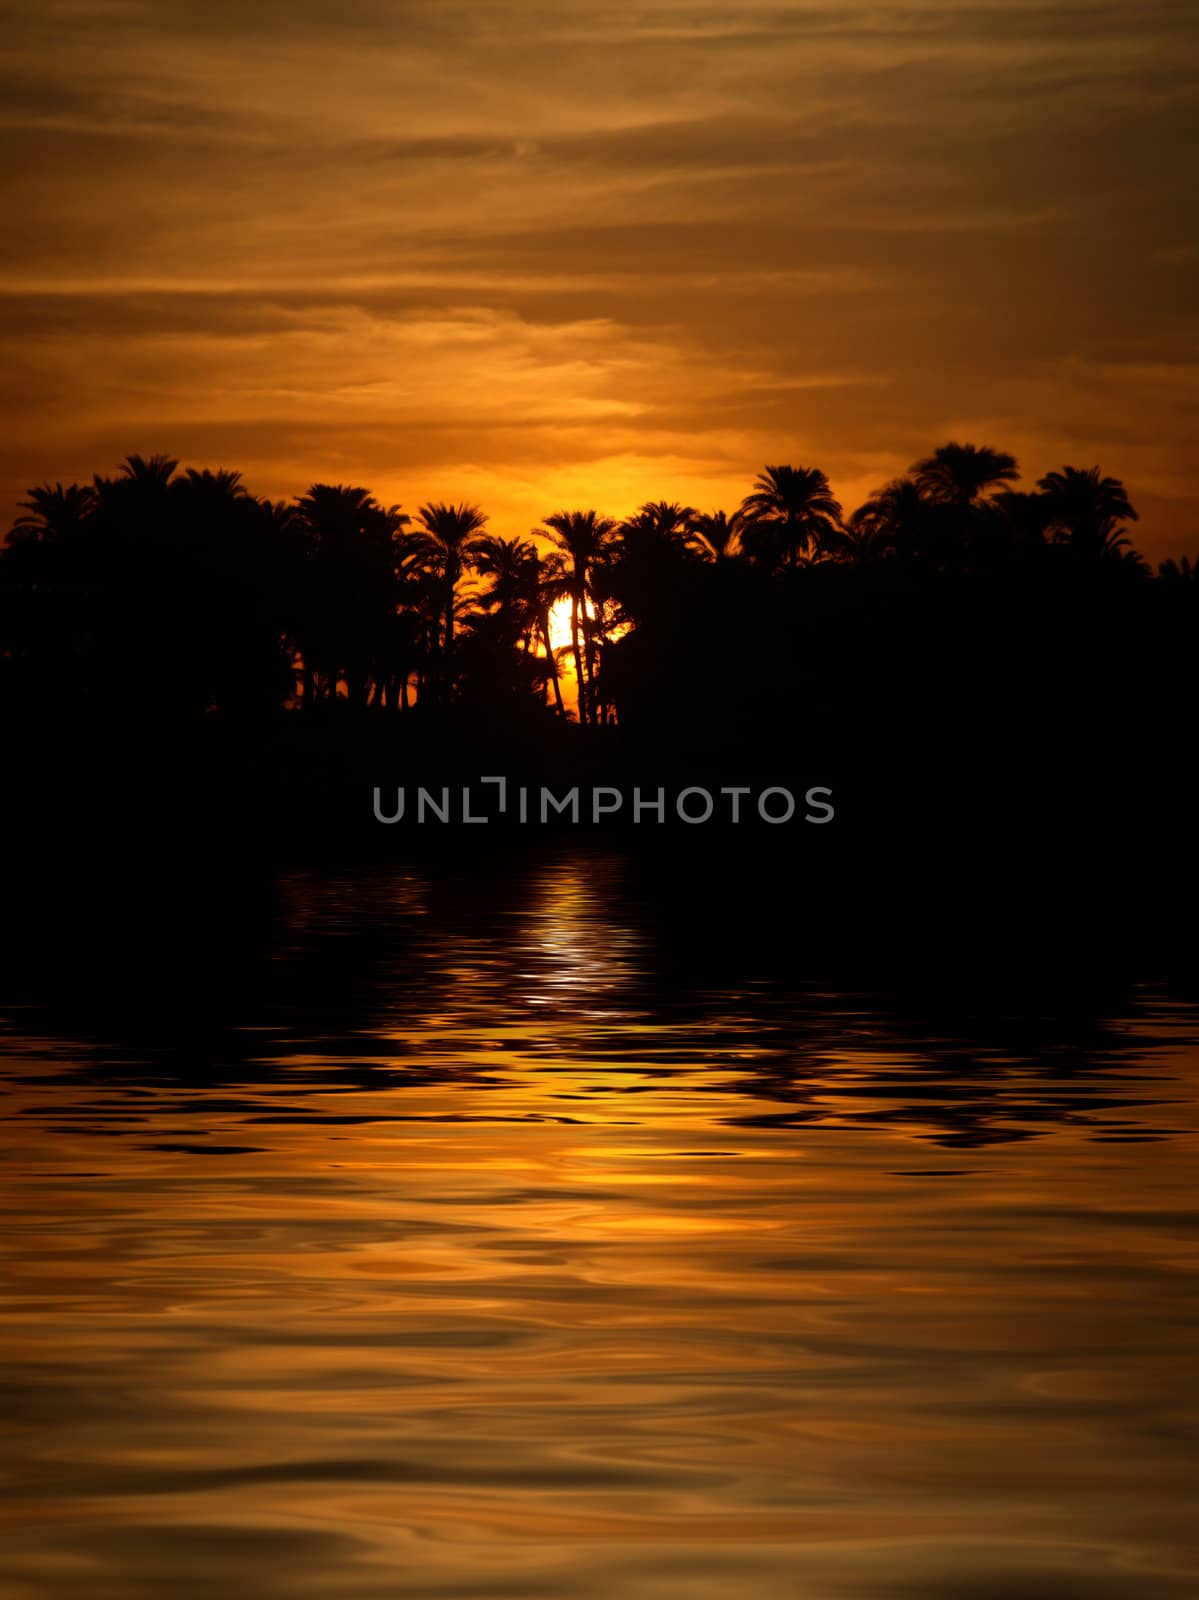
{"x": 141, "y": 490}
{"x": 137, "y": 500}
{"x": 662, "y": 520}
{"x": 649, "y": 562}
{"x": 350, "y": 592}
{"x": 963, "y": 474}
{"x": 338, "y": 514}
{"x": 48, "y": 606}
{"x": 1087, "y": 511}
{"x": 284, "y": 535}
{"x": 509, "y": 563}
{"x": 153, "y": 472}
{"x": 897, "y": 520}
{"x": 553, "y": 584}
{"x": 1024, "y": 516}
{"x": 511, "y": 619}
{"x": 220, "y": 485}
{"x": 447, "y": 539}
{"x": 421, "y": 601}
{"x": 790, "y": 513}
{"x": 583, "y": 537}
{"x": 54, "y": 513}
{"x": 716, "y": 536}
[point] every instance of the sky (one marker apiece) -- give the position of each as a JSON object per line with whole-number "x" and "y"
{"x": 588, "y": 254}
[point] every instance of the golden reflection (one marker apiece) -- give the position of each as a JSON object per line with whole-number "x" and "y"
{"x": 576, "y": 956}
{"x": 515, "y": 1280}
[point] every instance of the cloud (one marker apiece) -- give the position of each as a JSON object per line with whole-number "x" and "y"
{"x": 518, "y": 238}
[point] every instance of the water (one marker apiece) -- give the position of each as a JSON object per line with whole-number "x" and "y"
{"x": 453, "y": 1238}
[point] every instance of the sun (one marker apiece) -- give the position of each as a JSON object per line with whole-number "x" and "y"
{"x": 560, "y": 623}
{"x": 559, "y": 618}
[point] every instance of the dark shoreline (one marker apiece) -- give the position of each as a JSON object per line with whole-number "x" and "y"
{"x": 967, "y": 865}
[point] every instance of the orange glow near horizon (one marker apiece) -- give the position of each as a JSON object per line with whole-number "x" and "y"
{"x": 549, "y": 258}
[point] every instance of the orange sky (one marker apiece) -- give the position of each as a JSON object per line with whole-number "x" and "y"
{"x": 548, "y": 254}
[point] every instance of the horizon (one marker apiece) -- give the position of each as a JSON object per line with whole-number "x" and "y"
{"x": 534, "y": 527}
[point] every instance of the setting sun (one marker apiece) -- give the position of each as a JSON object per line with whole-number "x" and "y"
{"x": 560, "y": 623}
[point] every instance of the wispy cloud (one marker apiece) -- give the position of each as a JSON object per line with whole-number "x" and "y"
{"x": 525, "y": 248}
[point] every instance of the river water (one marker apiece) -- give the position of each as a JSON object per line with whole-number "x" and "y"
{"x": 444, "y": 1238}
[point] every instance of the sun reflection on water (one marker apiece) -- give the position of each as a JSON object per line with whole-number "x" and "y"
{"x": 480, "y": 1261}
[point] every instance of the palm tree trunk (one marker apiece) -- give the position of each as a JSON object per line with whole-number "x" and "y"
{"x": 551, "y": 661}
{"x": 577, "y": 652}
{"x": 589, "y": 652}
{"x": 449, "y": 637}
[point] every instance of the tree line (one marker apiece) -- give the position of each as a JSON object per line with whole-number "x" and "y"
{"x": 178, "y": 594}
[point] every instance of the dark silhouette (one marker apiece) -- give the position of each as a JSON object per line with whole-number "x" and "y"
{"x": 1087, "y": 512}
{"x": 182, "y": 594}
{"x": 716, "y": 535}
{"x": 447, "y": 542}
{"x": 584, "y": 538}
{"x": 979, "y": 670}
{"x": 790, "y": 516}
{"x": 960, "y": 475}
{"x": 344, "y": 549}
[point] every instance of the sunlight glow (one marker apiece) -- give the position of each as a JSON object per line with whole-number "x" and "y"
{"x": 560, "y": 623}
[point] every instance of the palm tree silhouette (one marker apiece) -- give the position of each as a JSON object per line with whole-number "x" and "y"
{"x": 54, "y": 513}
{"x": 1024, "y": 516}
{"x": 898, "y": 520}
{"x": 172, "y": 595}
{"x": 349, "y": 592}
{"x": 790, "y": 514}
{"x": 137, "y": 499}
{"x": 716, "y": 535}
{"x": 221, "y": 485}
{"x": 524, "y": 588}
{"x": 152, "y": 472}
{"x": 962, "y": 474}
{"x": 511, "y": 564}
{"x": 140, "y": 490}
{"x": 447, "y": 541}
{"x": 1087, "y": 511}
{"x": 584, "y": 537}
{"x": 553, "y": 584}
{"x": 663, "y": 520}
{"x": 653, "y": 541}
